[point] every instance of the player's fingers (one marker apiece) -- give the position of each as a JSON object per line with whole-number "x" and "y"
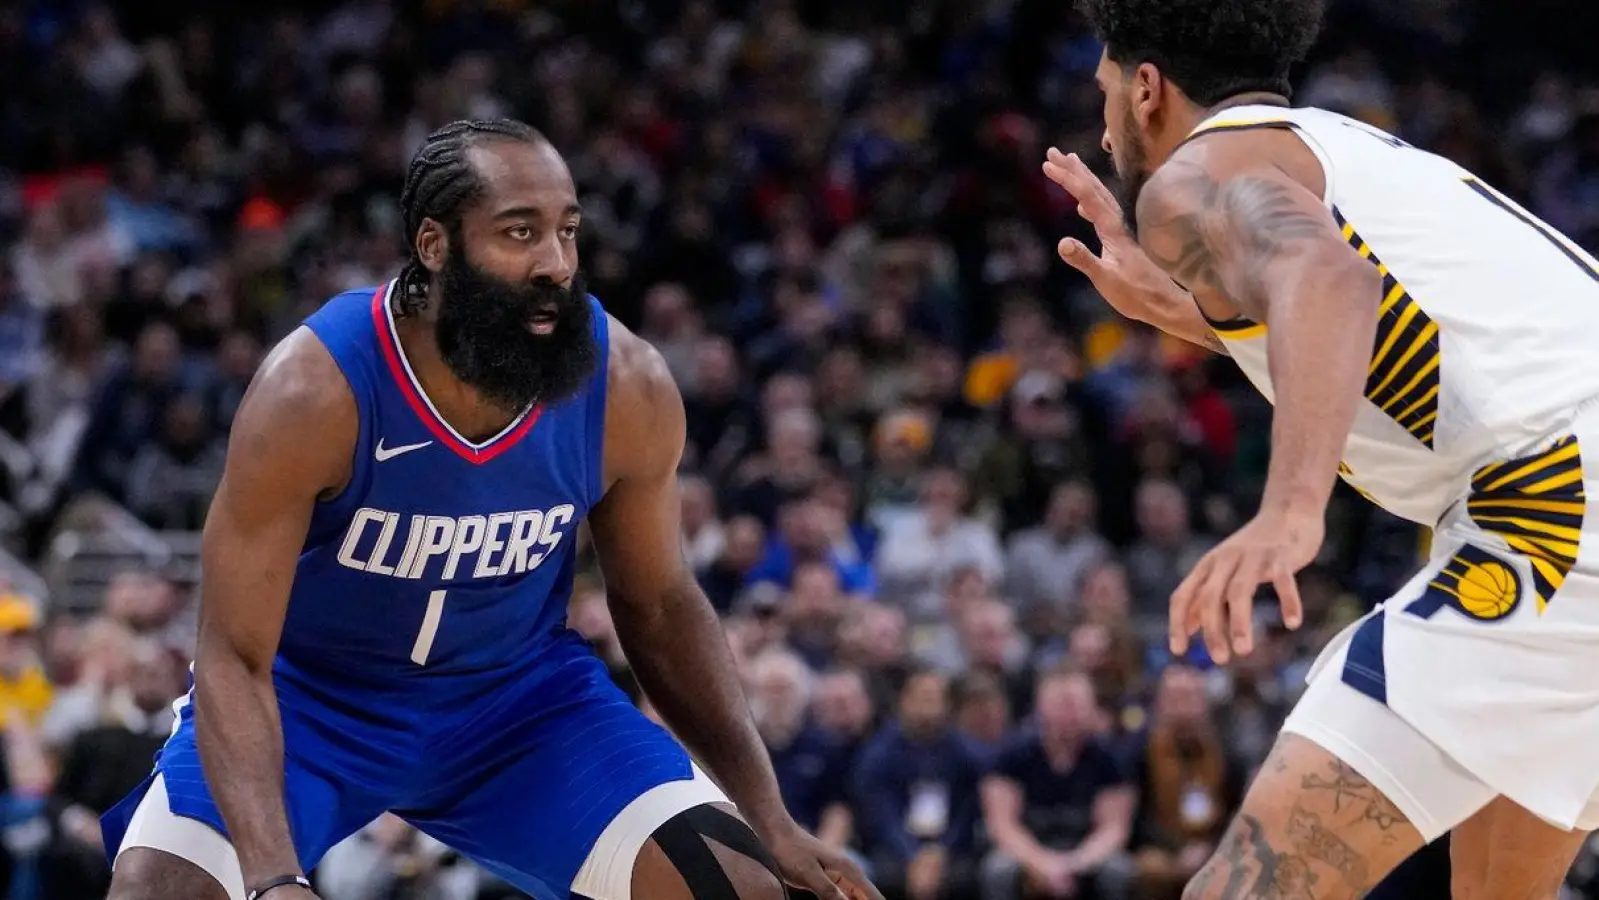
{"x": 850, "y": 877}
{"x": 1095, "y": 202}
{"x": 1251, "y": 571}
{"x": 1079, "y": 257}
{"x": 1179, "y": 614}
{"x": 1099, "y": 196}
{"x": 812, "y": 877}
{"x": 1282, "y": 578}
{"x": 1210, "y": 606}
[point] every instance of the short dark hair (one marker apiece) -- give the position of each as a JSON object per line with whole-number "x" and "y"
{"x": 1212, "y": 49}
{"x": 441, "y": 182}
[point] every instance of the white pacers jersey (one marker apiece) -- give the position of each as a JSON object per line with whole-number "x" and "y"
{"x": 1479, "y": 410}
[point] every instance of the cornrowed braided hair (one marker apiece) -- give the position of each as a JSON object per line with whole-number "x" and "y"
{"x": 439, "y": 184}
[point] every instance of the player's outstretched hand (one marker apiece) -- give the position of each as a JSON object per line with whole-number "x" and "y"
{"x": 1217, "y": 597}
{"x": 1122, "y": 273}
{"x": 825, "y": 871}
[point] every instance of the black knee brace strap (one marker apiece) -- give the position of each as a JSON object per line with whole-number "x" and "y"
{"x": 684, "y": 841}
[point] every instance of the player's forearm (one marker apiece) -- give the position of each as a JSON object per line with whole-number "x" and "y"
{"x": 1320, "y": 343}
{"x": 1174, "y": 312}
{"x": 677, "y": 648}
{"x": 240, "y": 739}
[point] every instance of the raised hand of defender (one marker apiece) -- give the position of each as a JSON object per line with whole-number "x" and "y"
{"x": 1218, "y": 596}
{"x": 1122, "y": 273}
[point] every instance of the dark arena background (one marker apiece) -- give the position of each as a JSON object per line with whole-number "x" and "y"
{"x": 917, "y": 441}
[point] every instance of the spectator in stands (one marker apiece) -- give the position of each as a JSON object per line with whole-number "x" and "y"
{"x": 982, "y": 714}
{"x": 720, "y": 418}
{"x": 811, "y": 763}
{"x": 990, "y": 642}
{"x": 1044, "y": 566}
{"x": 915, "y": 788}
{"x": 1049, "y": 422}
{"x": 1057, "y": 805}
{"x": 789, "y": 468}
{"x": 810, "y": 532}
{"x": 874, "y": 640}
{"x": 1254, "y": 694}
{"x": 900, "y": 442}
{"x": 814, "y": 609}
{"x": 703, "y": 535}
{"x": 129, "y": 411}
{"x": 151, "y": 605}
{"x": 919, "y": 552}
{"x": 22, "y": 342}
{"x": 25, "y": 691}
{"x": 843, "y": 706}
{"x": 390, "y": 859}
{"x": 94, "y": 682}
{"x": 1166, "y": 548}
{"x": 237, "y": 359}
{"x": 743, "y": 547}
{"x": 172, "y": 477}
{"x": 1113, "y": 659}
{"x": 1187, "y": 782}
{"x": 105, "y": 762}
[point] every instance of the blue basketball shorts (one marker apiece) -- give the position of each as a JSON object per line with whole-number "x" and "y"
{"x": 522, "y": 779}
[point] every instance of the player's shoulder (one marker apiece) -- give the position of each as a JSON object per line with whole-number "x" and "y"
{"x": 299, "y": 389}
{"x": 644, "y": 417}
{"x": 637, "y": 379}
{"x": 1201, "y": 172}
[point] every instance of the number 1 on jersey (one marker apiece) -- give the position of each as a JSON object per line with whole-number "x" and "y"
{"x": 430, "y": 629}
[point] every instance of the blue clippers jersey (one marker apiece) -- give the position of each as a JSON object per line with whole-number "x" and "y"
{"x": 441, "y": 556}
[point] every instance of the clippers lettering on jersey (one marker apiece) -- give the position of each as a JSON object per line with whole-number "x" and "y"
{"x": 450, "y": 548}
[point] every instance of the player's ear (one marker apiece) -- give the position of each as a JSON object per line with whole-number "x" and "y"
{"x": 1144, "y": 95}
{"x": 432, "y": 245}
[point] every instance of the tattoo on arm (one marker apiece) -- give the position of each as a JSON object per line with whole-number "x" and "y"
{"x": 1222, "y": 236}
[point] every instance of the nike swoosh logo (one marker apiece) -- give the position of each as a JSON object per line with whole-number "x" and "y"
{"x": 383, "y": 453}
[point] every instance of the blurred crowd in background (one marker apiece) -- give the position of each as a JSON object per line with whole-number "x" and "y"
{"x": 939, "y": 493}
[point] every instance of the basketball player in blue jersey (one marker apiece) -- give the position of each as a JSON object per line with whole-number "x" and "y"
{"x": 387, "y": 564}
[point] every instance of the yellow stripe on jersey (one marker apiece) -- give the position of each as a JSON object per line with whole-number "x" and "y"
{"x": 1403, "y": 378}
{"x": 1240, "y": 123}
{"x": 1237, "y": 329}
{"x": 1536, "y": 505}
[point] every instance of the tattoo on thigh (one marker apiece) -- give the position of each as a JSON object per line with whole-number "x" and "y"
{"x": 1350, "y": 790}
{"x": 1309, "y": 836}
{"x": 1255, "y": 869}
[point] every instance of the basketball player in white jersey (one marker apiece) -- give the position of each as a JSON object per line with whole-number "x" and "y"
{"x": 1436, "y": 345}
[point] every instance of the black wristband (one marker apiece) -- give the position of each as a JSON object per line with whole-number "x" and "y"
{"x": 280, "y": 881}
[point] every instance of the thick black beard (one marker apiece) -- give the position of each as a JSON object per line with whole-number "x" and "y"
{"x": 483, "y": 335}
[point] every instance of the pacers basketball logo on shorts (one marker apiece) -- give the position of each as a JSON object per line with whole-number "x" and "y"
{"x": 1476, "y": 584}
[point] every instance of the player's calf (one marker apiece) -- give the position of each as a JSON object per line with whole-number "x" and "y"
{"x": 705, "y": 852}
{"x": 1311, "y": 828}
{"x": 142, "y": 873}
